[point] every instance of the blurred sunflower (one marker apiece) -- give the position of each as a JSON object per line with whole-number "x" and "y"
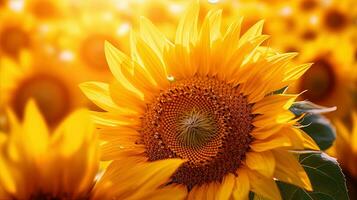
{"x": 329, "y": 82}
{"x": 81, "y": 44}
{"x": 39, "y": 78}
{"x": 345, "y": 150}
{"x": 16, "y": 33}
{"x": 3, "y": 3}
{"x": 345, "y": 146}
{"x": 38, "y": 164}
{"x": 45, "y": 10}
{"x": 294, "y": 24}
{"x": 165, "y": 14}
{"x": 206, "y": 98}
{"x": 337, "y": 17}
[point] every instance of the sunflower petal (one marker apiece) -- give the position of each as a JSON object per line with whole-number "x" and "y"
{"x": 152, "y": 36}
{"x": 174, "y": 192}
{"x": 226, "y": 187}
{"x": 187, "y": 32}
{"x": 262, "y": 162}
{"x": 116, "y": 61}
{"x": 242, "y": 185}
{"x": 275, "y": 141}
{"x": 98, "y": 93}
{"x": 35, "y": 131}
{"x": 252, "y": 32}
{"x": 137, "y": 175}
{"x": 263, "y": 186}
{"x": 289, "y": 170}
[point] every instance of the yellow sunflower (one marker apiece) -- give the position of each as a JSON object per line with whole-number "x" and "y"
{"x": 294, "y": 23}
{"x": 15, "y": 33}
{"x": 329, "y": 82}
{"x": 46, "y": 10}
{"x": 337, "y": 17}
{"x": 40, "y": 78}
{"x": 81, "y": 44}
{"x": 38, "y": 164}
{"x": 207, "y": 98}
{"x": 345, "y": 146}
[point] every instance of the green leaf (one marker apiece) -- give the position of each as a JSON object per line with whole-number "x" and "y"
{"x": 326, "y": 177}
{"x": 320, "y": 129}
{"x": 314, "y": 124}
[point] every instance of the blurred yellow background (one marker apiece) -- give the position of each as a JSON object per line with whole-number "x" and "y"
{"x": 48, "y": 47}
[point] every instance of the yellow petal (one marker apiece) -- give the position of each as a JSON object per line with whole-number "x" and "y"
{"x": 79, "y": 123}
{"x": 125, "y": 98}
{"x": 272, "y": 103}
{"x": 226, "y": 187}
{"x": 262, "y": 162}
{"x": 354, "y": 132}
{"x": 152, "y": 62}
{"x": 116, "y": 61}
{"x": 273, "y": 142}
{"x": 109, "y": 119}
{"x": 137, "y": 176}
{"x": 289, "y": 170}
{"x": 197, "y": 193}
{"x": 232, "y": 36}
{"x": 263, "y": 186}
{"x": 98, "y": 93}
{"x": 296, "y": 72}
{"x": 252, "y": 32}
{"x": 186, "y": 32}
{"x": 35, "y": 135}
{"x": 242, "y": 185}
{"x": 152, "y": 36}
{"x": 174, "y": 192}
{"x": 7, "y": 181}
{"x": 264, "y": 132}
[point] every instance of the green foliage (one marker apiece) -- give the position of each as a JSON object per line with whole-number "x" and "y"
{"x": 326, "y": 178}
{"x": 318, "y": 127}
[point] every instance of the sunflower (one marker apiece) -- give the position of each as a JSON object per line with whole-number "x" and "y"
{"x": 337, "y": 17}
{"x": 81, "y": 44}
{"x": 329, "y": 82}
{"x": 45, "y": 10}
{"x": 295, "y": 24}
{"x": 208, "y": 98}
{"x": 15, "y": 33}
{"x": 38, "y": 164}
{"x": 345, "y": 146}
{"x": 40, "y": 78}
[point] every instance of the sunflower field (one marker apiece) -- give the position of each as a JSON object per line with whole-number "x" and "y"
{"x": 174, "y": 99}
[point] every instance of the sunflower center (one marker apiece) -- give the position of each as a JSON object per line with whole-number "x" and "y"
{"x": 309, "y": 35}
{"x": 92, "y": 51}
{"x": 335, "y": 20}
{"x": 50, "y": 94}
{"x": 319, "y": 80}
{"x": 2, "y": 3}
{"x": 204, "y": 120}
{"x": 308, "y": 5}
{"x": 13, "y": 39}
{"x": 195, "y": 128}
